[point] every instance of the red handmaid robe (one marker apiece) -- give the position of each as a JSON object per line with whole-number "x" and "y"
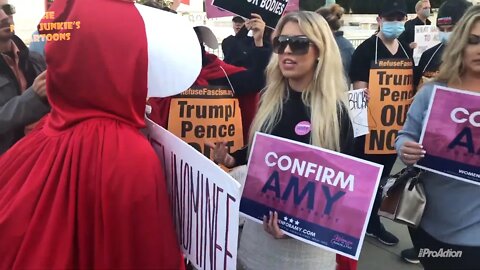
{"x": 86, "y": 190}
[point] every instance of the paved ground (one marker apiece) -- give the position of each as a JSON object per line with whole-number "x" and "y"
{"x": 376, "y": 256}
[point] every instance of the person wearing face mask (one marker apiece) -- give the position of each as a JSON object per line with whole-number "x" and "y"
{"x": 382, "y": 46}
{"x": 422, "y": 8}
{"x": 449, "y": 14}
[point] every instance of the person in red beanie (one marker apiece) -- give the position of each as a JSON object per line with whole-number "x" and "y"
{"x": 85, "y": 190}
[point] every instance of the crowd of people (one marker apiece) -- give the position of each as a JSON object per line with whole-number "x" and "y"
{"x": 81, "y": 187}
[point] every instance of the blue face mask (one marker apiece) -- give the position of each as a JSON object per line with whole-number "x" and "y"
{"x": 392, "y": 30}
{"x": 445, "y": 36}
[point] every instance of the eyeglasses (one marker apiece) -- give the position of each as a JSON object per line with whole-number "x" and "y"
{"x": 298, "y": 44}
{"x": 8, "y": 9}
{"x": 473, "y": 40}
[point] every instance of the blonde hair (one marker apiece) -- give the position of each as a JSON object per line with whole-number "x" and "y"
{"x": 325, "y": 95}
{"x": 452, "y": 69}
{"x": 419, "y": 5}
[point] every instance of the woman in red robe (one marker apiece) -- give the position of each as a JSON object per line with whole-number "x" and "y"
{"x": 86, "y": 189}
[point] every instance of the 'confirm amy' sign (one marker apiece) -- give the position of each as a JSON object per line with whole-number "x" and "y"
{"x": 322, "y": 197}
{"x": 451, "y": 136}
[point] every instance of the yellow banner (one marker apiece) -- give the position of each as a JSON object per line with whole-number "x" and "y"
{"x": 391, "y": 92}
{"x": 201, "y": 115}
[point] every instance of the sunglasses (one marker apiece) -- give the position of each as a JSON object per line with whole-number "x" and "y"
{"x": 473, "y": 40}
{"x": 298, "y": 44}
{"x": 8, "y": 9}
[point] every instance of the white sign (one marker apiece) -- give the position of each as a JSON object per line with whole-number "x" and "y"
{"x": 205, "y": 201}
{"x": 358, "y": 106}
{"x": 426, "y": 36}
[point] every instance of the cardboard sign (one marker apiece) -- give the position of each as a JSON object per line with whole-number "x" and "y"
{"x": 204, "y": 199}
{"x": 358, "y": 105}
{"x": 293, "y": 5}
{"x": 270, "y": 10}
{"x": 215, "y": 12}
{"x": 391, "y": 92}
{"x": 451, "y": 135}
{"x": 426, "y": 36}
{"x": 201, "y": 115}
{"x": 322, "y": 197}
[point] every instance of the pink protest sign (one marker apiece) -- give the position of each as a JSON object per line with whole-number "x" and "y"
{"x": 451, "y": 135}
{"x": 293, "y": 5}
{"x": 322, "y": 197}
{"x": 215, "y": 12}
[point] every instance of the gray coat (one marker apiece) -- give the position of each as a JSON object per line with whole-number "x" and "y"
{"x": 346, "y": 50}
{"x": 18, "y": 110}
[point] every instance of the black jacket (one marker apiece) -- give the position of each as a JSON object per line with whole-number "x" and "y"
{"x": 237, "y": 50}
{"x": 408, "y": 36}
{"x": 17, "y": 109}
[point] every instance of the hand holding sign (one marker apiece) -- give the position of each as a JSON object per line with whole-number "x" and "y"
{"x": 270, "y": 225}
{"x": 257, "y": 25}
{"x": 411, "y": 152}
{"x": 221, "y": 155}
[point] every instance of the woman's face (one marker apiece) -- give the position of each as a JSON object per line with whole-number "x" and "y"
{"x": 471, "y": 58}
{"x": 297, "y": 64}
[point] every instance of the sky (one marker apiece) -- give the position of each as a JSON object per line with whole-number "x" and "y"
{"x": 29, "y": 13}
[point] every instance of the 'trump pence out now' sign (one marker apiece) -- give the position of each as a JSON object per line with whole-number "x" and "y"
{"x": 391, "y": 93}
{"x": 270, "y": 10}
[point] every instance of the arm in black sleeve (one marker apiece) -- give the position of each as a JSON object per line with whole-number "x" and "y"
{"x": 226, "y": 48}
{"x": 346, "y": 132}
{"x": 253, "y": 79}
{"x": 22, "y": 110}
{"x": 408, "y": 36}
{"x": 418, "y": 70}
{"x": 240, "y": 156}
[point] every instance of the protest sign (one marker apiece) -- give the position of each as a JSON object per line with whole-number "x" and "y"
{"x": 270, "y": 10}
{"x": 204, "y": 200}
{"x": 200, "y": 115}
{"x": 426, "y": 36}
{"x": 215, "y": 12}
{"x": 293, "y": 5}
{"x": 358, "y": 105}
{"x": 322, "y": 197}
{"x": 391, "y": 92}
{"x": 451, "y": 135}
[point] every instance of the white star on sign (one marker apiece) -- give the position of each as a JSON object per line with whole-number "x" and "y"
{"x": 291, "y": 220}
{"x": 297, "y": 222}
{"x": 285, "y": 218}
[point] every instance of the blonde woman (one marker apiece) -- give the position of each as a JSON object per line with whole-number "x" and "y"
{"x": 305, "y": 83}
{"x": 452, "y": 216}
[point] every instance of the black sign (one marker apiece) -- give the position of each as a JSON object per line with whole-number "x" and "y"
{"x": 270, "y": 10}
